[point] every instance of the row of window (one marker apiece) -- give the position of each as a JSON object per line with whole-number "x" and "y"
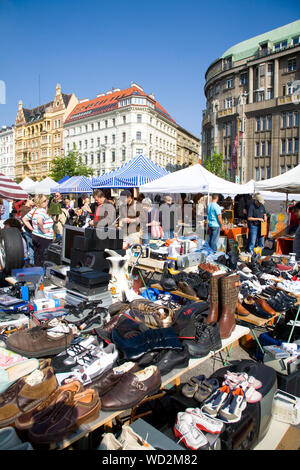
{"x": 289, "y": 146}
{"x": 112, "y": 123}
{"x": 263, "y": 148}
{"x": 289, "y": 119}
{"x": 262, "y": 173}
{"x": 263, "y": 123}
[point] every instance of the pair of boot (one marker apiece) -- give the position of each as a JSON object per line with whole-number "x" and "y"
{"x": 224, "y": 290}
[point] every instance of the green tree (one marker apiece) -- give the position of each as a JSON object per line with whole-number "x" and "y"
{"x": 71, "y": 165}
{"x": 215, "y": 164}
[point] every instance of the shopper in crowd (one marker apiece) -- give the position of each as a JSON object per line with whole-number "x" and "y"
{"x": 293, "y": 219}
{"x": 103, "y": 213}
{"x": 27, "y": 207}
{"x": 39, "y": 222}
{"x": 256, "y": 215}
{"x": 169, "y": 215}
{"x": 296, "y": 242}
{"x": 215, "y": 222}
{"x": 55, "y": 209}
{"x": 132, "y": 216}
{"x": 151, "y": 228}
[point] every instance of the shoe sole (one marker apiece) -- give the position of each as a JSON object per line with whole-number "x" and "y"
{"x": 132, "y": 405}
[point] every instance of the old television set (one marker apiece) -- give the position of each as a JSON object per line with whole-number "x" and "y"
{"x": 69, "y": 233}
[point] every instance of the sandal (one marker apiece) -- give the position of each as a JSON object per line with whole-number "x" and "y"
{"x": 190, "y": 388}
{"x": 206, "y": 389}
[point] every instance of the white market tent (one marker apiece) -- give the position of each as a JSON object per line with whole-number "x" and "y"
{"x": 287, "y": 183}
{"x": 194, "y": 179}
{"x": 42, "y": 187}
{"x": 269, "y": 195}
{"x": 27, "y": 183}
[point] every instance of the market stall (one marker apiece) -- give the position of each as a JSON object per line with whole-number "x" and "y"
{"x": 42, "y": 187}
{"x": 73, "y": 185}
{"x": 138, "y": 171}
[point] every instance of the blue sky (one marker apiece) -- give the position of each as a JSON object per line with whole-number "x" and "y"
{"x": 93, "y": 45}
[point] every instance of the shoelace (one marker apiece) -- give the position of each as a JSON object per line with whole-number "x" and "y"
{"x": 193, "y": 430}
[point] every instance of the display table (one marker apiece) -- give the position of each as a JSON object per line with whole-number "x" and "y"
{"x": 106, "y": 418}
{"x": 284, "y": 245}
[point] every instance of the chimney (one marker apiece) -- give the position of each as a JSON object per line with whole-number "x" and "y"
{"x": 20, "y": 104}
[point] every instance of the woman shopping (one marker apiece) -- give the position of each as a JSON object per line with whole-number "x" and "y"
{"x": 41, "y": 226}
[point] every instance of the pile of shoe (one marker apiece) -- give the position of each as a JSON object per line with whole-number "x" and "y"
{"x": 127, "y": 440}
{"x": 34, "y": 403}
{"x": 190, "y": 427}
{"x": 230, "y": 400}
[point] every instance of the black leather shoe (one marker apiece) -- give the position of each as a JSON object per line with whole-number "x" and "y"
{"x": 207, "y": 338}
{"x": 256, "y": 310}
{"x": 167, "y": 361}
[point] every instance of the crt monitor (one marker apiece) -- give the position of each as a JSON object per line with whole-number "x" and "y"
{"x": 69, "y": 234}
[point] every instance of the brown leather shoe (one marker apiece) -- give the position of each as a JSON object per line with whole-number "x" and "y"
{"x": 265, "y": 306}
{"x": 132, "y": 389}
{"x": 110, "y": 378}
{"x": 186, "y": 289}
{"x": 27, "y": 420}
{"x": 240, "y": 310}
{"x": 69, "y": 412}
{"x": 111, "y": 324}
{"x": 21, "y": 397}
{"x": 229, "y": 297}
{"x": 40, "y": 341}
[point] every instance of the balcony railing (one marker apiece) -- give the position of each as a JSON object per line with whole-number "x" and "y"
{"x": 227, "y": 112}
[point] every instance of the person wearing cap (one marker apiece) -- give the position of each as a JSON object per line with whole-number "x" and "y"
{"x": 256, "y": 215}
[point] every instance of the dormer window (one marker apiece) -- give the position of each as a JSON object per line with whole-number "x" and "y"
{"x": 296, "y": 40}
{"x": 280, "y": 45}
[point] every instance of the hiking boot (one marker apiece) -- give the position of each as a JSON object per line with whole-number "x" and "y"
{"x": 22, "y": 397}
{"x": 48, "y": 339}
{"x": 153, "y": 315}
{"x": 207, "y": 338}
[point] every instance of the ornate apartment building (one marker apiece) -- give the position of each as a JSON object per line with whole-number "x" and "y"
{"x": 7, "y": 151}
{"x": 120, "y": 124}
{"x": 252, "y": 111}
{"x": 39, "y": 135}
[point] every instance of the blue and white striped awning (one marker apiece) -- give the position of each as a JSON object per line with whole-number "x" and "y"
{"x": 75, "y": 184}
{"x": 136, "y": 172}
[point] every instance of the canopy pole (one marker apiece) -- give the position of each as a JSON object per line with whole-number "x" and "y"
{"x": 286, "y": 201}
{"x": 206, "y": 213}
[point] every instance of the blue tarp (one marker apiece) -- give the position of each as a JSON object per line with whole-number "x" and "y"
{"x": 136, "y": 172}
{"x": 75, "y": 184}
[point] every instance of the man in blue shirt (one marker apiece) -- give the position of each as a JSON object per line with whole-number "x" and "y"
{"x": 215, "y": 222}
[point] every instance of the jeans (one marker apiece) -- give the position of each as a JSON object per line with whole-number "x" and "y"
{"x": 169, "y": 234}
{"x": 30, "y": 250}
{"x": 254, "y": 235}
{"x": 214, "y": 233}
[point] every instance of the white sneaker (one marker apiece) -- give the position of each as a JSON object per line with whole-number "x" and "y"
{"x": 232, "y": 411}
{"x": 130, "y": 440}
{"x": 204, "y": 422}
{"x": 185, "y": 428}
{"x": 97, "y": 362}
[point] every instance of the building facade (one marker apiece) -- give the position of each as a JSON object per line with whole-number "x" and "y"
{"x": 252, "y": 109}
{"x": 188, "y": 148}
{"x": 7, "y": 151}
{"x": 118, "y": 125}
{"x": 39, "y": 136}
